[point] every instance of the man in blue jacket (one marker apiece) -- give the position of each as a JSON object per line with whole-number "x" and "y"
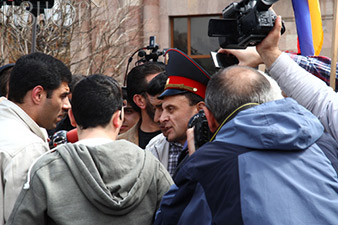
{"x": 310, "y": 91}
{"x": 262, "y": 166}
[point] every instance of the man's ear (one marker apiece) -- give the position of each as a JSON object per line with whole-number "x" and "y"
{"x": 140, "y": 101}
{"x": 117, "y": 119}
{"x": 212, "y": 123}
{"x": 37, "y": 94}
{"x": 71, "y": 118}
{"x": 200, "y": 105}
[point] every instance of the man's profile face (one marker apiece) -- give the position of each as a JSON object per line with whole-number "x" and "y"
{"x": 54, "y": 107}
{"x": 157, "y": 108}
{"x": 175, "y": 117}
{"x": 149, "y": 108}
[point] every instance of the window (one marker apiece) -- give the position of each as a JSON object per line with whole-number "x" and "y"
{"x": 190, "y": 35}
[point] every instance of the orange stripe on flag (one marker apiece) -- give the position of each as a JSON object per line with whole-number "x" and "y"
{"x": 316, "y": 24}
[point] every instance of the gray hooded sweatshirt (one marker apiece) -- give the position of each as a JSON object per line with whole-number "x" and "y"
{"x": 113, "y": 183}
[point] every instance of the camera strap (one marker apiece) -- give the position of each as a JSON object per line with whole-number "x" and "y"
{"x": 232, "y": 115}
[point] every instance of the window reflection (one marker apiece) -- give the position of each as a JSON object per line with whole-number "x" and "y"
{"x": 201, "y": 43}
{"x": 180, "y": 34}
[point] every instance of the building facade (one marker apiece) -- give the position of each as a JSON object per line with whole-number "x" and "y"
{"x": 104, "y": 33}
{"x": 184, "y": 24}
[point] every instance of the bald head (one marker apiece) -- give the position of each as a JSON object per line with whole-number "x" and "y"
{"x": 242, "y": 81}
{"x": 236, "y": 86}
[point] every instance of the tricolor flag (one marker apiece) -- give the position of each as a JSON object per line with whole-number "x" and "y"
{"x": 309, "y": 26}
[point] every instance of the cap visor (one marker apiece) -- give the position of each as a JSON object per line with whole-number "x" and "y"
{"x": 171, "y": 92}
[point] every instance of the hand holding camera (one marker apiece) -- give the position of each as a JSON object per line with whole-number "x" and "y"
{"x": 246, "y": 57}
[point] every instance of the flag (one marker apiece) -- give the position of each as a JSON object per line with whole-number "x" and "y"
{"x": 309, "y": 26}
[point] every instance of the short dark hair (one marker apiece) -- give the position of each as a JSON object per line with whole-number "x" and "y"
{"x": 5, "y": 72}
{"x": 76, "y": 78}
{"x": 157, "y": 84}
{"x": 124, "y": 93}
{"x": 136, "y": 80}
{"x": 36, "y": 69}
{"x": 227, "y": 90}
{"x": 193, "y": 98}
{"x": 95, "y": 99}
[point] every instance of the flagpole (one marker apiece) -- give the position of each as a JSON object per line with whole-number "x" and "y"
{"x": 334, "y": 46}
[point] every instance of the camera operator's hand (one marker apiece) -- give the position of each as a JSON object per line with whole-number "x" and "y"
{"x": 191, "y": 141}
{"x": 268, "y": 48}
{"x": 246, "y": 57}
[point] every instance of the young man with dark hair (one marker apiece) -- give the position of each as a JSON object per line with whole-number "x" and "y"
{"x": 264, "y": 155}
{"x": 38, "y": 98}
{"x": 97, "y": 180}
{"x": 137, "y": 81}
{"x": 64, "y": 124}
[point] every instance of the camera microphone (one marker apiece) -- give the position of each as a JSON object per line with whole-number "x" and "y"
{"x": 63, "y": 136}
{"x": 141, "y": 53}
{"x": 72, "y": 136}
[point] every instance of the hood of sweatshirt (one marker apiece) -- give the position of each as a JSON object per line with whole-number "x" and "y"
{"x": 276, "y": 125}
{"x": 113, "y": 176}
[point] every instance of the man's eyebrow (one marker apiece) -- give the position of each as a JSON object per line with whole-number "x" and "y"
{"x": 65, "y": 93}
{"x": 169, "y": 105}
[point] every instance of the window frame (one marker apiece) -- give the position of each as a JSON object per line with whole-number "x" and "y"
{"x": 188, "y": 17}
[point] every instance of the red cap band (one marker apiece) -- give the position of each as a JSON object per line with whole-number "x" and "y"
{"x": 183, "y": 83}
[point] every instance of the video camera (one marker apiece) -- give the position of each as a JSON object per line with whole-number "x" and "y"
{"x": 244, "y": 24}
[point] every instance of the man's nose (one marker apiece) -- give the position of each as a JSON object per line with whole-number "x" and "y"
{"x": 163, "y": 117}
{"x": 66, "y": 104}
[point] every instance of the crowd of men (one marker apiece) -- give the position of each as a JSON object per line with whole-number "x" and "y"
{"x": 271, "y": 159}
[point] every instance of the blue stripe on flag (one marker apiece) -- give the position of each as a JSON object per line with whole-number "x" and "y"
{"x": 303, "y": 23}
